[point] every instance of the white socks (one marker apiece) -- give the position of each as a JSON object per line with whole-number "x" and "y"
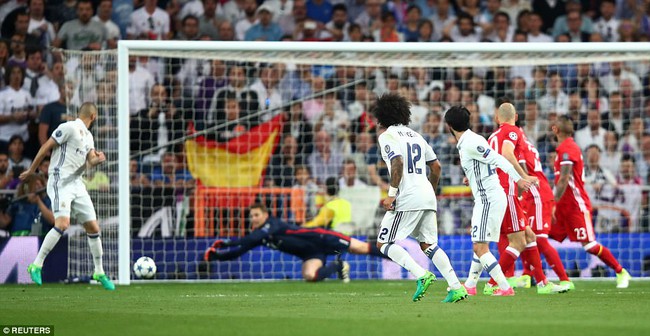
{"x": 491, "y": 265}
{"x": 401, "y": 257}
{"x": 442, "y": 263}
{"x": 474, "y": 272}
{"x": 49, "y": 242}
{"x": 95, "y": 243}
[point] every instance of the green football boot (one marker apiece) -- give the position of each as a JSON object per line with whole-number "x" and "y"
{"x": 489, "y": 289}
{"x": 455, "y": 295}
{"x": 35, "y": 273}
{"x": 623, "y": 279}
{"x": 423, "y": 284}
{"x": 570, "y": 284}
{"x": 105, "y": 281}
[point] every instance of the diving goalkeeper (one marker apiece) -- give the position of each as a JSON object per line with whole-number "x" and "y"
{"x": 312, "y": 245}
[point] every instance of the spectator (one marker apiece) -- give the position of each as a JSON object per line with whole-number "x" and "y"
{"x": 4, "y": 59}
{"x": 232, "y": 10}
{"x": 535, "y": 33}
{"x": 171, "y": 174}
{"x": 319, "y": 10}
{"x": 189, "y": 30}
{"x": 631, "y": 141}
{"x": 208, "y": 19}
{"x": 39, "y": 80}
{"x": 305, "y": 182}
{"x": 6, "y": 174}
{"x": 631, "y": 98}
{"x": 337, "y": 29}
{"x": 226, "y": 31}
{"x": 235, "y": 125}
{"x": 442, "y": 18}
{"x": 615, "y": 118}
{"x": 16, "y": 107}
{"x": 324, "y": 162}
{"x": 54, "y": 114}
{"x": 155, "y": 126}
{"x": 464, "y": 30}
{"x": 607, "y": 25}
{"x": 370, "y": 19}
{"x": 364, "y": 148}
{"x": 555, "y": 100}
{"x": 242, "y": 26}
{"x": 20, "y": 18}
{"x": 514, "y": 7}
{"x": 628, "y": 31}
{"x": 282, "y": 167}
{"x": 138, "y": 179}
{"x": 610, "y": 157}
{"x": 248, "y": 98}
{"x": 38, "y": 25}
{"x": 534, "y": 127}
{"x": 630, "y": 191}
{"x": 355, "y": 34}
{"x": 472, "y": 8}
{"x": 104, "y": 12}
{"x": 140, "y": 83}
{"x": 265, "y": 29}
{"x": 576, "y": 22}
{"x": 17, "y": 157}
{"x": 600, "y": 185}
{"x": 593, "y": 133}
{"x": 280, "y": 7}
{"x": 577, "y": 111}
{"x": 485, "y": 103}
{"x": 66, "y": 11}
{"x": 612, "y": 81}
{"x": 149, "y": 23}
{"x": 44, "y": 167}
{"x": 574, "y": 28}
{"x": 82, "y": 33}
{"x": 34, "y": 208}
{"x": 502, "y": 31}
{"x": 292, "y": 24}
{"x": 486, "y": 17}
{"x": 643, "y": 161}
{"x": 410, "y": 29}
{"x": 18, "y": 55}
{"x": 388, "y": 31}
{"x": 333, "y": 119}
{"x": 592, "y": 94}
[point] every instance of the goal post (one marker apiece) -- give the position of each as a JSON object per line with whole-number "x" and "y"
{"x": 358, "y": 56}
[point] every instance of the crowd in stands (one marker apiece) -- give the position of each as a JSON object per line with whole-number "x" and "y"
{"x": 333, "y": 134}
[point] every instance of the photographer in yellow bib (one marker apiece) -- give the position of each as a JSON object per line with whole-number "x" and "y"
{"x": 336, "y": 213}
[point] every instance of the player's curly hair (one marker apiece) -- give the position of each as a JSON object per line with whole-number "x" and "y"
{"x": 392, "y": 109}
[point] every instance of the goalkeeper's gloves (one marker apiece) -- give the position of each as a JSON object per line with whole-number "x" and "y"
{"x": 221, "y": 243}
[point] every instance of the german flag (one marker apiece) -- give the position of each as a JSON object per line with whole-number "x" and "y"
{"x": 236, "y": 163}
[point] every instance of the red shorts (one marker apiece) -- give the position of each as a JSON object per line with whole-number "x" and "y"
{"x": 540, "y": 215}
{"x": 514, "y": 220}
{"x": 574, "y": 224}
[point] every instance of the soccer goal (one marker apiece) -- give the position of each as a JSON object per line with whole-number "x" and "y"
{"x": 196, "y": 132}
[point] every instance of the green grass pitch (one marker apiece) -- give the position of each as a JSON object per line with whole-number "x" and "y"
{"x": 328, "y": 308}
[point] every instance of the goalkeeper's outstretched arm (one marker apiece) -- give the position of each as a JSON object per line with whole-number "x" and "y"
{"x": 239, "y": 246}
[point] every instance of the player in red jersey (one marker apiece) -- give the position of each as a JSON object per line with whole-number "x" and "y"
{"x": 573, "y": 207}
{"x": 508, "y": 141}
{"x": 539, "y": 203}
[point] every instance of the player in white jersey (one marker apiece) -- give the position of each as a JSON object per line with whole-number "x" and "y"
{"x": 479, "y": 163}
{"x": 73, "y": 148}
{"x": 411, "y": 203}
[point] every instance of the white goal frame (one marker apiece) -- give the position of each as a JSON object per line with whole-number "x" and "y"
{"x": 607, "y": 52}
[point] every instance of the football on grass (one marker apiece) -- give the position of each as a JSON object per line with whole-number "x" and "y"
{"x": 144, "y": 268}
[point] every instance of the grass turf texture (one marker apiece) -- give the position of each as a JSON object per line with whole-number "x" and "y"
{"x": 329, "y": 308}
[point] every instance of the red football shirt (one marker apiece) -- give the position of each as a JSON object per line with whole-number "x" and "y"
{"x": 575, "y": 196}
{"x": 512, "y": 134}
{"x": 530, "y": 156}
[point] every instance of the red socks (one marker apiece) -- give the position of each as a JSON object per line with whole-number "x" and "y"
{"x": 532, "y": 261}
{"x": 552, "y": 258}
{"x": 604, "y": 254}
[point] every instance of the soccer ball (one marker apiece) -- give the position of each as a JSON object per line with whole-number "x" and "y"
{"x": 144, "y": 268}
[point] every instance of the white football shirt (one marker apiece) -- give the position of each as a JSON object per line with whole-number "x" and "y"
{"x": 68, "y": 161}
{"x": 415, "y": 190}
{"x": 480, "y": 163}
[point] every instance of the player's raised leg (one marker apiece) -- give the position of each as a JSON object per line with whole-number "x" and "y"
{"x": 60, "y": 225}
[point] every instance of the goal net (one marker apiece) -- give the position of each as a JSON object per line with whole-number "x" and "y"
{"x": 196, "y": 132}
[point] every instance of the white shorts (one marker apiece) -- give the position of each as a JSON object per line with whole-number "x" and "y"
{"x": 486, "y": 221}
{"x": 419, "y": 224}
{"x": 71, "y": 200}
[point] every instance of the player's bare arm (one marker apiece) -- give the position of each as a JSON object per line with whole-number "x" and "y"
{"x": 396, "y": 172}
{"x": 42, "y": 153}
{"x": 508, "y": 152}
{"x": 435, "y": 170}
{"x": 95, "y": 158}
{"x": 565, "y": 172}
